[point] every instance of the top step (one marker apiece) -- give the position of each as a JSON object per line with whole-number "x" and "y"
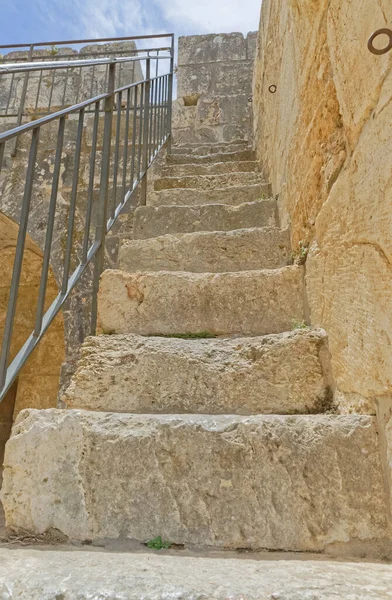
{"x": 185, "y": 157}
{"x": 199, "y": 149}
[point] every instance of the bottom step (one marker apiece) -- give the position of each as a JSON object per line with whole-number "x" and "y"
{"x": 27, "y": 574}
{"x": 301, "y": 483}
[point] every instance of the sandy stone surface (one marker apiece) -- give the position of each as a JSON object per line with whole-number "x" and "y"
{"x": 151, "y": 221}
{"x": 213, "y": 169}
{"x": 132, "y": 373}
{"x": 86, "y": 575}
{"x": 231, "y": 196}
{"x": 248, "y": 302}
{"x": 301, "y": 483}
{"x": 213, "y": 252}
{"x": 207, "y": 182}
{"x": 324, "y": 140}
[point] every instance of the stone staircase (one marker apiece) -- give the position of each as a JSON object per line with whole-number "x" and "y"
{"x": 205, "y": 413}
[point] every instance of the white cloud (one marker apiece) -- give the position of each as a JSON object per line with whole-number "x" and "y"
{"x": 111, "y": 18}
{"x": 96, "y": 18}
{"x": 212, "y": 16}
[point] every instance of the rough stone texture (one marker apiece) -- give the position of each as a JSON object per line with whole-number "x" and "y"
{"x": 151, "y": 221}
{"x": 214, "y": 88}
{"x": 300, "y": 483}
{"x": 190, "y": 197}
{"x": 182, "y": 157}
{"x": 30, "y": 574}
{"x": 249, "y": 302}
{"x": 324, "y": 141}
{"x": 214, "y": 252}
{"x": 205, "y": 148}
{"x": 210, "y": 169}
{"x": 130, "y": 373}
{"x": 207, "y": 182}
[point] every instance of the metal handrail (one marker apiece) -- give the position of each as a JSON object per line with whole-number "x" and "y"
{"x": 15, "y": 101}
{"x": 145, "y": 106}
{"x": 89, "y": 40}
{"x": 62, "y": 64}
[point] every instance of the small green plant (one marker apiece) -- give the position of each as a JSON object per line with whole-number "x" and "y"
{"x": 53, "y": 50}
{"x": 299, "y": 257}
{"x": 299, "y": 324}
{"x": 158, "y": 543}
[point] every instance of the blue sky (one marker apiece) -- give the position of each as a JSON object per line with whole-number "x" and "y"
{"x": 46, "y": 20}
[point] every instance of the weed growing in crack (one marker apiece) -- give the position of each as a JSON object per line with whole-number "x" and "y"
{"x": 299, "y": 324}
{"x": 158, "y": 543}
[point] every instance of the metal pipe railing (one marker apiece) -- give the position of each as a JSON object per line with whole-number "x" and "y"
{"x": 119, "y": 161}
{"x": 27, "y": 97}
{"x": 62, "y": 64}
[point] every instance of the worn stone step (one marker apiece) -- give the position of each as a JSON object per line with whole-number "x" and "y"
{"x": 283, "y": 374}
{"x": 164, "y": 302}
{"x": 207, "y": 182}
{"x": 300, "y": 483}
{"x": 210, "y": 148}
{"x": 218, "y": 168}
{"x": 192, "y": 197}
{"x": 239, "y": 155}
{"x": 152, "y": 221}
{"x": 208, "y": 251}
{"x": 85, "y": 574}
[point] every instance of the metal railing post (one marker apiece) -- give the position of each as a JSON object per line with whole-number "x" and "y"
{"x": 22, "y": 102}
{"x": 100, "y": 232}
{"x": 170, "y": 98}
{"x": 145, "y": 150}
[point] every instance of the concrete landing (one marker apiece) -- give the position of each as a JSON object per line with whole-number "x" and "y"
{"x": 33, "y": 574}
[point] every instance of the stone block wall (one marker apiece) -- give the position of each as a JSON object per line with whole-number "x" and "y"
{"x": 214, "y": 87}
{"x": 325, "y": 139}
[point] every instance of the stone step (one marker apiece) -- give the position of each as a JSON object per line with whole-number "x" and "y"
{"x": 295, "y": 483}
{"x": 85, "y": 574}
{"x": 199, "y": 149}
{"x": 239, "y": 155}
{"x": 208, "y": 251}
{"x": 207, "y": 182}
{"x": 218, "y": 168}
{"x": 152, "y": 221}
{"x": 164, "y": 302}
{"x": 193, "y": 197}
{"x": 283, "y": 374}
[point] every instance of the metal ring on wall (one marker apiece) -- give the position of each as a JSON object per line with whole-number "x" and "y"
{"x": 374, "y": 35}
{"x": 272, "y": 89}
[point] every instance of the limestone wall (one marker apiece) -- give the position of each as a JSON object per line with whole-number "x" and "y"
{"x": 325, "y": 141}
{"x": 214, "y": 87}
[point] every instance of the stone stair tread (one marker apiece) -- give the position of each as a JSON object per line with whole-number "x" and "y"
{"x": 166, "y": 575}
{"x": 207, "y": 182}
{"x": 130, "y": 373}
{"x": 209, "y": 251}
{"x": 151, "y": 221}
{"x": 166, "y": 302}
{"x": 231, "y": 196}
{"x": 295, "y": 483}
{"x": 210, "y": 148}
{"x": 216, "y": 168}
{"x": 239, "y": 155}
